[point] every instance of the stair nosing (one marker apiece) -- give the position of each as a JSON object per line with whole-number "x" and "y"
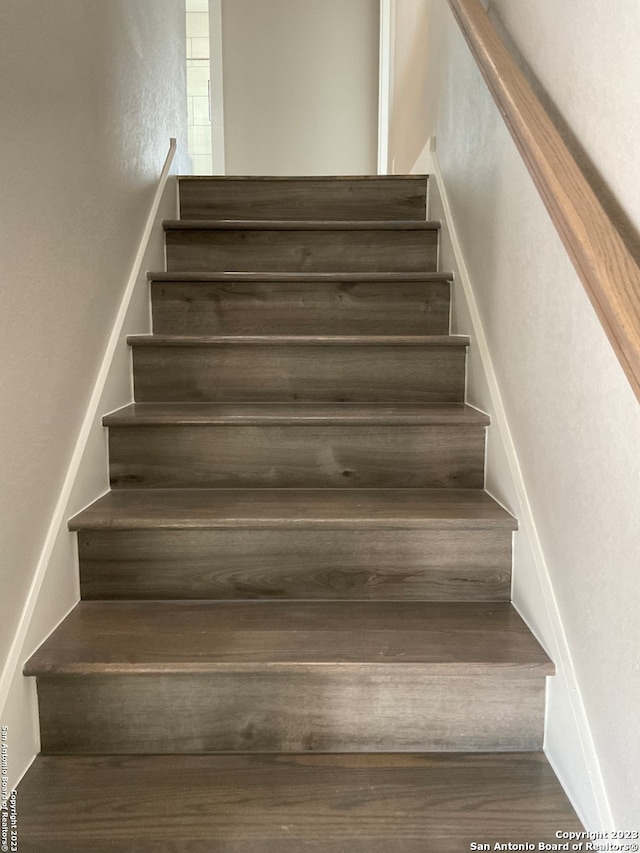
{"x": 451, "y": 669}
{"x": 300, "y": 225}
{"x": 446, "y": 638}
{"x": 299, "y": 340}
{"x": 295, "y": 414}
{"x": 328, "y": 178}
{"x": 131, "y": 513}
{"x": 298, "y": 277}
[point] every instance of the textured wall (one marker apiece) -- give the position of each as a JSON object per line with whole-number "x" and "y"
{"x": 584, "y": 56}
{"x": 91, "y": 92}
{"x": 300, "y": 86}
{"x": 573, "y": 418}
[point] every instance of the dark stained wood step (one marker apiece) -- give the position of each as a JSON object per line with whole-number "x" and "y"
{"x": 296, "y": 225}
{"x": 301, "y": 246}
{"x": 371, "y": 544}
{"x": 287, "y": 457}
{"x": 428, "y": 564}
{"x": 184, "y": 509}
{"x": 193, "y": 451}
{"x": 312, "y": 414}
{"x": 334, "y": 307}
{"x": 379, "y": 197}
{"x": 302, "y": 368}
{"x": 129, "y": 677}
{"x": 299, "y": 340}
{"x": 302, "y": 803}
{"x": 303, "y": 277}
{"x": 292, "y": 708}
{"x": 449, "y": 638}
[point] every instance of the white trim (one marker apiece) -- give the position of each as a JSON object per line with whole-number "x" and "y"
{"x": 384, "y": 86}
{"x": 591, "y": 765}
{"x": 217, "y": 89}
{"x": 92, "y": 416}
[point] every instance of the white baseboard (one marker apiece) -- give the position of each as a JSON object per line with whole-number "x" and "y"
{"x": 569, "y": 744}
{"x": 54, "y": 589}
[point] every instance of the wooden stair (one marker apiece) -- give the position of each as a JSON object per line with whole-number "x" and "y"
{"x": 290, "y": 676}
{"x": 310, "y": 803}
{"x": 300, "y": 303}
{"x": 268, "y": 368}
{"x": 267, "y": 245}
{"x": 213, "y": 445}
{"x": 295, "y": 597}
{"x": 436, "y": 545}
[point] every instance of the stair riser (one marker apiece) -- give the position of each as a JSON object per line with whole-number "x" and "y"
{"x": 296, "y": 457}
{"x": 301, "y": 308}
{"x": 385, "y": 564}
{"x": 391, "y": 198}
{"x": 301, "y": 251}
{"x": 362, "y": 708}
{"x": 285, "y": 373}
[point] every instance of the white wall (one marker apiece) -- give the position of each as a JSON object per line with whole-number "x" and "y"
{"x": 91, "y": 93}
{"x": 584, "y": 55}
{"x": 300, "y": 86}
{"x": 411, "y": 84}
{"x": 562, "y": 400}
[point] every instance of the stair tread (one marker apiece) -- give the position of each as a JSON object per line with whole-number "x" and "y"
{"x": 352, "y": 277}
{"x": 299, "y": 340}
{"x": 149, "y": 414}
{"x": 284, "y": 178}
{"x": 269, "y": 803}
{"x": 128, "y": 509}
{"x": 300, "y": 225}
{"x": 449, "y": 638}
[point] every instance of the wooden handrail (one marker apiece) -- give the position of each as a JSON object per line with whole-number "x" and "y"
{"x": 607, "y": 269}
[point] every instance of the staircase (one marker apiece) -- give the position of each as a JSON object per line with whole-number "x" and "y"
{"x": 295, "y": 630}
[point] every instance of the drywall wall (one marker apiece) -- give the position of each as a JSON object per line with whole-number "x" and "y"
{"x": 411, "y": 84}
{"x": 91, "y": 94}
{"x": 300, "y": 82}
{"x": 583, "y": 56}
{"x": 533, "y": 592}
{"x": 571, "y": 416}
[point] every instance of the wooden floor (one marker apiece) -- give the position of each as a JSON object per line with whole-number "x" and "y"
{"x": 294, "y": 803}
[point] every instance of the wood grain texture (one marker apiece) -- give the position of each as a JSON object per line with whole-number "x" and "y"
{"x": 308, "y": 618}
{"x": 293, "y": 456}
{"x": 608, "y": 270}
{"x": 297, "y": 414}
{"x": 314, "y": 340}
{"x": 305, "y": 277}
{"x": 314, "y": 709}
{"x": 309, "y": 198}
{"x": 428, "y": 565}
{"x": 208, "y": 637}
{"x": 344, "y": 372}
{"x": 298, "y": 803}
{"x": 321, "y": 250}
{"x": 303, "y": 225}
{"x": 298, "y": 308}
{"x": 290, "y": 676}
{"x": 187, "y": 509}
